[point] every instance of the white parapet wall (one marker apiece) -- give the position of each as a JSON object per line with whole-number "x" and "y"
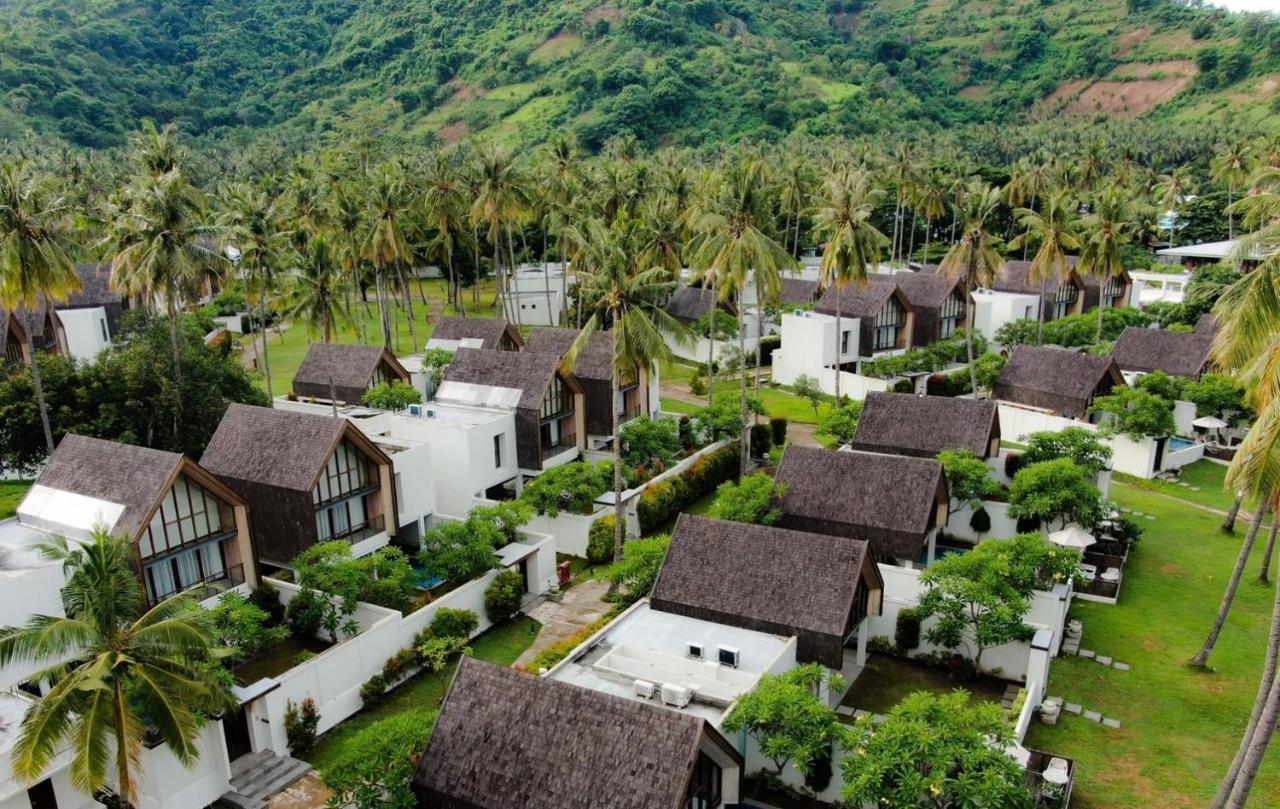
{"x": 1137, "y": 458}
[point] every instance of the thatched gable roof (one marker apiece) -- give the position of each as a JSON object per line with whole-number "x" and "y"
{"x": 134, "y": 477}
{"x": 923, "y": 426}
{"x": 1017, "y": 278}
{"x": 1056, "y": 379}
{"x": 95, "y": 288}
{"x": 488, "y": 329}
{"x": 530, "y": 373}
{"x": 746, "y": 575}
{"x": 345, "y": 367}
{"x": 1207, "y": 324}
{"x": 283, "y": 449}
{"x": 690, "y": 304}
{"x": 1148, "y": 350}
{"x": 857, "y": 300}
{"x": 890, "y": 501}
{"x": 925, "y": 289}
{"x": 595, "y": 360}
{"x": 797, "y": 291}
{"x": 508, "y": 739}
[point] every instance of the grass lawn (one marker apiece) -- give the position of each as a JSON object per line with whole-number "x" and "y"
{"x": 886, "y": 681}
{"x": 500, "y": 645}
{"x": 1180, "y": 726}
{"x": 11, "y": 494}
{"x": 777, "y": 401}
{"x": 1205, "y": 475}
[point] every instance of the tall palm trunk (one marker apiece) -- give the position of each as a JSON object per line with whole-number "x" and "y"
{"x": 897, "y": 206}
{"x": 968, "y": 339}
{"x": 262, "y": 308}
{"x": 786, "y": 234}
{"x": 1231, "y": 217}
{"x": 711, "y": 350}
{"x": 564, "y": 281}
{"x": 511, "y": 277}
{"x": 172, "y": 308}
{"x": 1202, "y": 657}
{"x": 795, "y": 243}
{"x": 546, "y": 279}
{"x": 408, "y": 306}
{"x": 928, "y": 224}
{"x": 39, "y": 386}
{"x": 839, "y": 343}
{"x": 1040, "y": 316}
{"x": 1264, "y": 574}
{"x": 1229, "y": 523}
{"x": 380, "y": 290}
{"x": 911, "y": 240}
{"x": 1102, "y": 301}
{"x": 1263, "y": 729}
{"x": 745, "y": 454}
{"x": 619, "y": 510}
{"x": 125, "y": 789}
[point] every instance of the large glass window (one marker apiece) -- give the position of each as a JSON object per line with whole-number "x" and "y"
{"x": 704, "y": 787}
{"x": 184, "y": 569}
{"x": 1112, "y": 291}
{"x": 340, "y": 495}
{"x": 888, "y": 322}
{"x": 558, "y": 399}
{"x": 189, "y": 514}
{"x": 12, "y": 349}
{"x": 951, "y": 315}
{"x": 1064, "y": 299}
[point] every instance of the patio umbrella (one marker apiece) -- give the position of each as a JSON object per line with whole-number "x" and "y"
{"x": 1073, "y": 536}
{"x": 1209, "y": 423}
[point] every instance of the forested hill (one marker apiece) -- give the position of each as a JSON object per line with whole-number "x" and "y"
{"x": 686, "y": 72}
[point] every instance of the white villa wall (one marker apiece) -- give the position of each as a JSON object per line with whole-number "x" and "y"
{"x": 167, "y": 783}
{"x": 25, "y": 593}
{"x": 1183, "y": 414}
{"x": 698, "y": 350}
{"x": 855, "y": 386}
{"x": 86, "y": 332}
{"x": 1131, "y": 457}
{"x": 1002, "y": 525}
{"x": 414, "y": 476}
{"x": 994, "y": 309}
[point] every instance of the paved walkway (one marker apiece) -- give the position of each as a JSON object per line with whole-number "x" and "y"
{"x": 580, "y": 607}
{"x": 309, "y": 793}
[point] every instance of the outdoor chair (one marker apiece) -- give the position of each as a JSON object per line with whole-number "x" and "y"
{"x": 1112, "y": 574}
{"x": 1089, "y": 572}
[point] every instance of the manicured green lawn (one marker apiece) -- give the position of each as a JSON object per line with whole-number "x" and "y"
{"x": 500, "y": 645}
{"x": 1206, "y": 476}
{"x": 886, "y": 681}
{"x": 11, "y": 494}
{"x": 1180, "y": 727}
{"x": 777, "y": 401}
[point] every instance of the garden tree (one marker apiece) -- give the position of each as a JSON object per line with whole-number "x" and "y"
{"x": 253, "y": 223}
{"x": 716, "y": 324}
{"x": 125, "y": 395}
{"x": 935, "y": 751}
{"x": 1173, "y": 189}
{"x": 734, "y": 247}
{"x": 789, "y": 717}
{"x": 134, "y": 673}
{"x": 390, "y": 206}
{"x": 383, "y": 577}
{"x": 721, "y": 419}
{"x": 375, "y": 770}
{"x": 648, "y": 441}
{"x": 445, "y": 212}
{"x": 806, "y": 387}
{"x": 1161, "y": 384}
{"x": 508, "y": 517}
{"x": 851, "y": 242}
{"x": 571, "y": 487}
{"x": 969, "y": 480}
{"x": 500, "y": 199}
{"x": 1056, "y": 228}
{"x": 1055, "y": 491}
{"x": 454, "y": 551}
{"x": 975, "y": 259}
{"x": 840, "y": 424}
{"x": 1231, "y": 167}
{"x": 1206, "y": 287}
{"x": 795, "y": 190}
{"x": 754, "y": 499}
{"x": 1217, "y": 395}
{"x": 347, "y": 222}
{"x": 626, "y": 300}
{"x": 35, "y": 225}
{"x": 395, "y": 395}
{"x": 1136, "y": 413}
{"x": 1075, "y": 443}
{"x": 503, "y": 596}
{"x": 243, "y": 627}
{"x": 314, "y": 294}
{"x": 1104, "y": 236}
{"x": 637, "y": 572}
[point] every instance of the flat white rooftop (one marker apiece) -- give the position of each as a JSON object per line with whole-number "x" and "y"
{"x": 399, "y": 425}
{"x": 17, "y": 551}
{"x": 651, "y": 646}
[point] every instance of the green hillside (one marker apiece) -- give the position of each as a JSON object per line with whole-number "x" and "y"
{"x": 686, "y": 72}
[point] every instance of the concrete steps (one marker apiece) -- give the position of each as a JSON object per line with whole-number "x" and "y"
{"x": 258, "y": 777}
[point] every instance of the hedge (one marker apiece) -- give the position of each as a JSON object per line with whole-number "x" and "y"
{"x": 663, "y": 501}
{"x": 778, "y": 425}
{"x": 906, "y": 633}
{"x": 556, "y": 652}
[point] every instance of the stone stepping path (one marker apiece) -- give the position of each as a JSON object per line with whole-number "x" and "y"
{"x": 1093, "y": 716}
{"x": 1103, "y": 660}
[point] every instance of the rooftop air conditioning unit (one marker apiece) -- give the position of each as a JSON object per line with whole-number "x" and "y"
{"x": 728, "y": 656}
{"x": 695, "y": 650}
{"x": 644, "y": 689}
{"x": 677, "y": 696}
{"x": 415, "y": 410}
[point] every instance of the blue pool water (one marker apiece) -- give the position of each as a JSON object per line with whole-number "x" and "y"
{"x": 1177, "y": 443}
{"x": 425, "y": 582}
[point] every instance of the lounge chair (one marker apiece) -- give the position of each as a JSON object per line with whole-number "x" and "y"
{"x": 1089, "y": 572}
{"x": 1111, "y": 574}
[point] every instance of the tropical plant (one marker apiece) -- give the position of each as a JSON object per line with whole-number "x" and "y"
{"x": 315, "y": 292}
{"x": 975, "y": 259}
{"x": 840, "y": 424}
{"x": 395, "y": 395}
{"x": 374, "y": 771}
{"x": 969, "y": 480}
{"x": 1056, "y": 228}
{"x": 569, "y": 487}
{"x": 1076, "y": 443}
{"x": 1104, "y": 234}
{"x": 788, "y": 716}
{"x": 638, "y": 571}
{"x": 754, "y": 499}
{"x": 503, "y": 596}
{"x": 1136, "y": 413}
{"x": 650, "y": 441}
{"x": 1055, "y": 490}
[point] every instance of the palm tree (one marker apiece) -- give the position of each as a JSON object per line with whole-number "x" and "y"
{"x": 500, "y": 200}
{"x": 1105, "y": 233}
{"x": 566, "y": 182}
{"x": 901, "y": 172}
{"x": 131, "y": 673}
{"x": 385, "y": 245}
{"x": 252, "y": 222}
{"x": 851, "y": 242}
{"x": 1056, "y": 229}
{"x": 626, "y": 299}
{"x": 793, "y": 199}
{"x": 445, "y": 204}
{"x": 314, "y": 293}
{"x": 347, "y": 218}
{"x": 931, "y": 203}
{"x": 1172, "y": 189}
{"x": 34, "y": 268}
{"x": 734, "y": 247}
{"x": 1231, "y": 167}
{"x": 163, "y": 253}
{"x": 975, "y": 259}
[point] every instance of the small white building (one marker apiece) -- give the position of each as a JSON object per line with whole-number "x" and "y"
{"x": 993, "y": 309}
{"x": 539, "y": 295}
{"x": 1158, "y": 287}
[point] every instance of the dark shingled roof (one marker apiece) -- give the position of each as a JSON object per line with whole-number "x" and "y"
{"x": 95, "y": 288}
{"x": 488, "y": 329}
{"x": 1148, "y": 350}
{"x": 857, "y": 300}
{"x": 1207, "y": 324}
{"x": 799, "y": 291}
{"x": 506, "y": 739}
{"x": 529, "y": 372}
{"x": 746, "y": 575}
{"x": 1055, "y": 379}
{"x": 280, "y": 448}
{"x": 923, "y": 426}
{"x": 595, "y": 361}
{"x": 925, "y": 289}
{"x": 1017, "y": 274}
{"x": 889, "y": 500}
{"x": 691, "y": 303}
{"x": 347, "y": 367}
{"x": 135, "y": 477}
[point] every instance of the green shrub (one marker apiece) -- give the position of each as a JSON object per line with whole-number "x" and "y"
{"x": 569, "y": 487}
{"x": 1012, "y": 463}
{"x": 697, "y": 385}
{"x": 267, "y": 598}
{"x": 303, "y": 656}
{"x": 453, "y": 623}
{"x": 600, "y": 541}
{"x": 761, "y": 440}
{"x": 980, "y": 522}
{"x": 768, "y": 344}
{"x": 906, "y": 632}
{"x": 373, "y": 690}
{"x": 778, "y": 426}
{"x": 300, "y": 723}
{"x": 398, "y": 666}
{"x": 434, "y": 653}
{"x": 650, "y": 442}
{"x": 394, "y": 396}
{"x": 379, "y": 760}
{"x": 685, "y": 429}
{"x": 503, "y": 596}
{"x": 305, "y": 613}
{"x": 881, "y": 645}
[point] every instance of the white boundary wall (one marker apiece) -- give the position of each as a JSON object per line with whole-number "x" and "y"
{"x": 1131, "y": 457}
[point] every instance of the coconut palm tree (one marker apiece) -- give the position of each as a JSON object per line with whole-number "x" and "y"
{"x": 975, "y": 258}
{"x": 1172, "y": 189}
{"x": 851, "y": 243}
{"x": 389, "y": 210}
{"x": 566, "y": 183}
{"x": 34, "y": 268}
{"x": 900, "y": 173}
{"x": 796, "y": 183}
{"x": 734, "y": 247}
{"x": 501, "y": 200}
{"x": 120, "y": 673}
{"x": 445, "y": 207}
{"x": 314, "y": 294}
{"x": 1056, "y": 228}
{"x": 1231, "y": 166}
{"x": 1105, "y": 232}
{"x": 625, "y": 299}
{"x": 930, "y": 202}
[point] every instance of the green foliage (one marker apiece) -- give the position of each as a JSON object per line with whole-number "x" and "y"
{"x": 726, "y": 325}
{"x": 906, "y": 630}
{"x": 1055, "y": 491}
{"x": 267, "y": 598}
{"x": 459, "y": 551}
{"x": 661, "y": 502}
{"x": 508, "y": 517}
{"x": 807, "y": 388}
{"x": 433, "y": 654}
{"x": 1217, "y": 395}
{"x": 1074, "y": 331}
{"x": 638, "y": 571}
{"x": 840, "y": 424}
{"x": 779, "y": 427}
{"x": 1158, "y": 383}
{"x": 723, "y": 417}
{"x": 1075, "y": 443}
{"x": 244, "y": 627}
{"x": 1136, "y": 413}
{"x": 300, "y": 723}
{"x": 787, "y": 717}
{"x": 980, "y": 521}
{"x": 503, "y": 596}
{"x": 393, "y": 396}
{"x": 570, "y": 487}
{"x": 374, "y": 771}
{"x": 934, "y": 357}
{"x": 934, "y": 750}
{"x": 761, "y": 439}
{"x": 383, "y": 577}
{"x": 305, "y": 614}
{"x": 754, "y": 499}
{"x": 969, "y": 478}
{"x": 650, "y": 442}
{"x": 600, "y": 540}
{"x": 453, "y": 623}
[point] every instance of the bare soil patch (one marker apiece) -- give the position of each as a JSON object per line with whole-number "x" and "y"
{"x": 1145, "y": 70}
{"x": 464, "y": 92}
{"x": 1126, "y": 42}
{"x": 454, "y": 132}
{"x": 1127, "y": 99}
{"x": 610, "y": 13}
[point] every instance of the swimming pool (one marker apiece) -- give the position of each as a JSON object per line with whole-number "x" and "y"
{"x": 1176, "y": 443}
